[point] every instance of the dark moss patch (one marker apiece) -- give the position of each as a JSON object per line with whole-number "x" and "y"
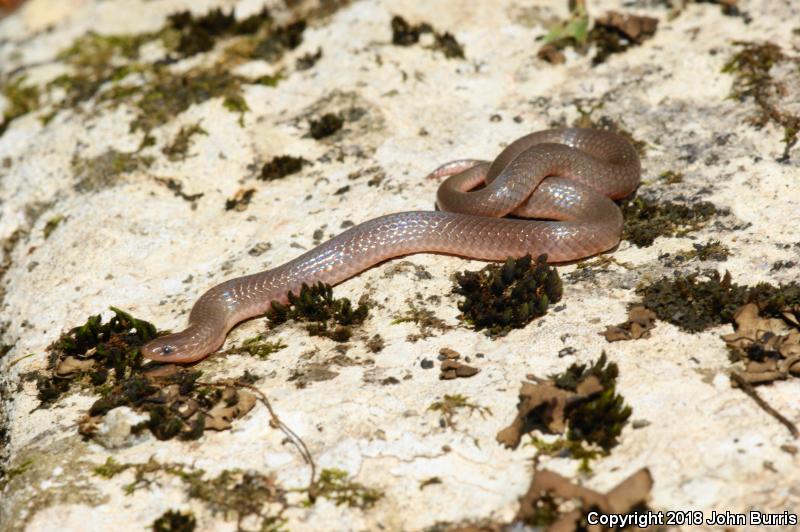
{"x": 21, "y": 99}
{"x": 325, "y": 126}
{"x": 105, "y": 170}
{"x": 307, "y": 61}
{"x": 175, "y": 521}
{"x": 752, "y": 69}
{"x": 281, "y": 39}
{"x": 105, "y": 359}
{"x": 281, "y": 166}
{"x": 710, "y": 251}
{"x": 646, "y": 220}
{"x": 240, "y": 200}
{"x": 199, "y": 34}
{"x": 696, "y": 301}
{"x": 501, "y": 298}
{"x": 323, "y": 315}
{"x": 178, "y": 149}
{"x": 177, "y": 188}
{"x": 405, "y": 34}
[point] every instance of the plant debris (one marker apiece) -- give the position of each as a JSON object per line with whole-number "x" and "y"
{"x": 612, "y": 33}
{"x": 646, "y": 220}
{"x": 555, "y": 502}
{"x": 405, "y": 34}
{"x": 105, "y": 358}
{"x": 616, "y": 32}
{"x": 640, "y": 322}
{"x": 323, "y": 315}
{"x": 764, "y": 73}
{"x": 768, "y": 346}
{"x": 501, "y": 298}
{"x": 448, "y": 406}
{"x": 451, "y": 368}
{"x": 582, "y": 401}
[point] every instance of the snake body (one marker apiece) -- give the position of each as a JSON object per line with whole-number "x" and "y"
{"x": 566, "y": 178}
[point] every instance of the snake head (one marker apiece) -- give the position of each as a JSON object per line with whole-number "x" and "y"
{"x": 168, "y": 349}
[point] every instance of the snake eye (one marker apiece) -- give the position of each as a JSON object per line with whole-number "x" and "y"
{"x": 167, "y": 349}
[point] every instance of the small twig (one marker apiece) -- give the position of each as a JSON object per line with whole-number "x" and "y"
{"x": 751, "y": 391}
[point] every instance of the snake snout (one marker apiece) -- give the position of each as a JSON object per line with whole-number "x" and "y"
{"x": 165, "y": 350}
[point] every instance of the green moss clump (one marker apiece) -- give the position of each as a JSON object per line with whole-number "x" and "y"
{"x": 324, "y": 315}
{"x": 168, "y": 95}
{"x": 105, "y": 359}
{"x": 233, "y": 493}
{"x": 671, "y": 177}
{"x": 600, "y": 418}
{"x": 751, "y": 67}
{"x": 51, "y": 225}
{"x": 336, "y": 485}
{"x": 281, "y": 166}
{"x": 258, "y": 347}
{"x": 646, "y": 220}
{"x": 696, "y": 301}
{"x": 22, "y": 99}
{"x": 501, "y": 298}
{"x": 450, "y": 404}
{"x": 175, "y": 521}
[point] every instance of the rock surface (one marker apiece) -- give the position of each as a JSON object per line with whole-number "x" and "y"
{"x": 96, "y": 211}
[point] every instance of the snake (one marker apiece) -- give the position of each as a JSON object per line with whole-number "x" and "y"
{"x": 548, "y": 193}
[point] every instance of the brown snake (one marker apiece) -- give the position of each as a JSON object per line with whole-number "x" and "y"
{"x": 564, "y": 177}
